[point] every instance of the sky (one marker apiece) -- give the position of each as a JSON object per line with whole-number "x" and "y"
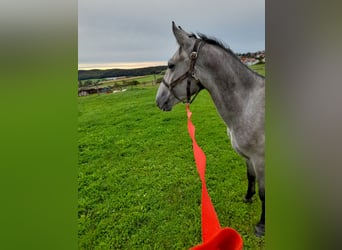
{"x": 137, "y": 33}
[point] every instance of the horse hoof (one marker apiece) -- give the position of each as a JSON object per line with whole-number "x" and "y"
{"x": 259, "y": 230}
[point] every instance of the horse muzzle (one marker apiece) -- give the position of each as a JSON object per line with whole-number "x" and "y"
{"x": 165, "y": 106}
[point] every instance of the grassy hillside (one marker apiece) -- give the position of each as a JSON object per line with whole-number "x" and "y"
{"x": 259, "y": 68}
{"x": 138, "y": 184}
{"x": 145, "y": 79}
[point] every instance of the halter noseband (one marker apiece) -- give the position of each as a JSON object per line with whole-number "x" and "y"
{"x": 189, "y": 74}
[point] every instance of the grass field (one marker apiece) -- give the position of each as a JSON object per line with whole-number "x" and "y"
{"x": 140, "y": 79}
{"x": 260, "y": 68}
{"x": 138, "y": 184}
{"x": 145, "y": 80}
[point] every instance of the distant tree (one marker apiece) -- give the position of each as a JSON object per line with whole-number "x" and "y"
{"x": 87, "y": 83}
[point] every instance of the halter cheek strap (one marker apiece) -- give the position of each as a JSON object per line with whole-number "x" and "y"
{"x": 187, "y": 75}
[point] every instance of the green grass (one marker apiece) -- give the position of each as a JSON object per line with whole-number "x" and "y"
{"x": 146, "y": 80}
{"x": 138, "y": 183}
{"x": 260, "y": 68}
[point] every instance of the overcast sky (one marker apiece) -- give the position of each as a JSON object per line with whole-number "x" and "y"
{"x": 113, "y": 32}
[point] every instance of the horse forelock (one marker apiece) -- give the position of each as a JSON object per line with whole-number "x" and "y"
{"x": 193, "y": 35}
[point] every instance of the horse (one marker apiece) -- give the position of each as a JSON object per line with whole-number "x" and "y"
{"x": 238, "y": 93}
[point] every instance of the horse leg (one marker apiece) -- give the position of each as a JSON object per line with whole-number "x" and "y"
{"x": 251, "y": 182}
{"x": 260, "y": 227}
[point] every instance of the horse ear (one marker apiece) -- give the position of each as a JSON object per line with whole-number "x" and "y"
{"x": 181, "y": 36}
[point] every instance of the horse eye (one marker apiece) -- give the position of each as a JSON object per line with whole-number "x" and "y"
{"x": 170, "y": 65}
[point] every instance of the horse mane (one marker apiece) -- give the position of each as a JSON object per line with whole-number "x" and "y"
{"x": 211, "y": 40}
{"x": 214, "y": 41}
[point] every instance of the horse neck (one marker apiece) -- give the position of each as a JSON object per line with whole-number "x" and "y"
{"x": 230, "y": 83}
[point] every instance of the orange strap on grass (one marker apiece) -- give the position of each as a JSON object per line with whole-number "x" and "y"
{"x": 214, "y": 237}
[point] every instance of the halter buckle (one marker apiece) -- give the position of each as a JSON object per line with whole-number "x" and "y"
{"x": 193, "y": 55}
{"x": 193, "y": 74}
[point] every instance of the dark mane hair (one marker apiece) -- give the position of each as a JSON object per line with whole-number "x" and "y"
{"x": 214, "y": 41}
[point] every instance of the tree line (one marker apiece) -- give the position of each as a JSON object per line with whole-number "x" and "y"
{"x": 99, "y": 74}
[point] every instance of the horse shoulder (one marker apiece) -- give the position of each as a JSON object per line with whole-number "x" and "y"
{"x": 247, "y": 140}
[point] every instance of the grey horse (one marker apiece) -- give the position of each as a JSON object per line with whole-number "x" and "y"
{"x": 237, "y": 92}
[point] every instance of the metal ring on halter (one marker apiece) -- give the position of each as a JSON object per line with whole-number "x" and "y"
{"x": 193, "y": 55}
{"x": 193, "y": 74}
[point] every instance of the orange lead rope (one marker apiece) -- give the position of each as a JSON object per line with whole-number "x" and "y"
{"x": 214, "y": 237}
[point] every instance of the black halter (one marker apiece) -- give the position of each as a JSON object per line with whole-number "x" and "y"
{"x": 189, "y": 74}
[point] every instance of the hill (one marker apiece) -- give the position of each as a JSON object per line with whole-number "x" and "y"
{"x": 98, "y": 74}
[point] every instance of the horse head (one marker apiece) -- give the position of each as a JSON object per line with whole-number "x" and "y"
{"x": 180, "y": 81}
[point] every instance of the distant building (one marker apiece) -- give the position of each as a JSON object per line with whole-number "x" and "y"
{"x": 249, "y": 61}
{"x": 114, "y": 78}
{"x": 84, "y": 91}
{"x": 252, "y": 58}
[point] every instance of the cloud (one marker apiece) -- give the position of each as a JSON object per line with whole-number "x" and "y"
{"x": 133, "y": 31}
